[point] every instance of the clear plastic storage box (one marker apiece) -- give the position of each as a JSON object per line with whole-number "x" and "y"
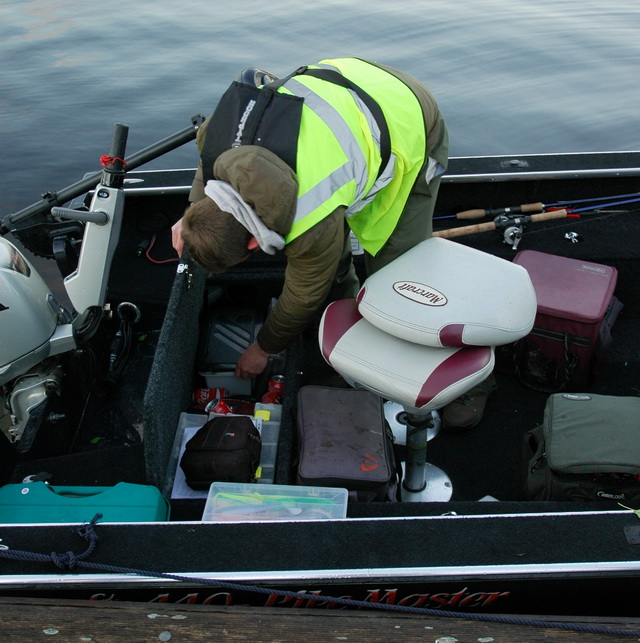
{"x": 245, "y": 501}
{"x": 270, "y": 416}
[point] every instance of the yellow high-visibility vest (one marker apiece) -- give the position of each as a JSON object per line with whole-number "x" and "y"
{"x": 338, "y": 161}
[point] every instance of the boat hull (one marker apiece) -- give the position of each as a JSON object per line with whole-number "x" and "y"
{"x": 507, "y": 556}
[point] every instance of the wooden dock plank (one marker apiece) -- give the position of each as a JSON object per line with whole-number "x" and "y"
{"x": 30, "y": 619}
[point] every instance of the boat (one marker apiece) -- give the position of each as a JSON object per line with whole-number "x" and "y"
{"x": 117, "y": 416}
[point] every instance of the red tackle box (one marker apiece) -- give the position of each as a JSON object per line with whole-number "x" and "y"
{"x": 572, "y": 329}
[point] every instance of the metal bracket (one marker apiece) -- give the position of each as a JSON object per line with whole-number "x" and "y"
{"x": 632, "y": 534}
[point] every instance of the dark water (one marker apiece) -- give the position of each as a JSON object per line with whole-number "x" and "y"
{"x": 533, "y": 76}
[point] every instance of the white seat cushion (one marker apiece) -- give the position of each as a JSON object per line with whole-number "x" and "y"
{"x": 421, "y": 378}
{"x": 441, "y": 293}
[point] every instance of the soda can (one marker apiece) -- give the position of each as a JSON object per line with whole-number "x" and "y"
{"x": 272, "y": 397}
{"x": 234, "y": 405}
{"x": 202, "y": 397}
{"x": 220, "y": 407}
{"x": 276, "y": 384}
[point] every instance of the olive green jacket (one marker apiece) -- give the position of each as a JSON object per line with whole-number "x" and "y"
{"x": 270, "y": 186}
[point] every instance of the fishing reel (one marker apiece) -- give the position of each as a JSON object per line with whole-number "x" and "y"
{"x": 511, "y": 229}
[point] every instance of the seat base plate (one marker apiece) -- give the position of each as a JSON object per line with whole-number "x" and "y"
{"x": 437, "y": 489}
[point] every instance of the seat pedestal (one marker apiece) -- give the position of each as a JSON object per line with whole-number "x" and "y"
{"x": 422, "y": 481}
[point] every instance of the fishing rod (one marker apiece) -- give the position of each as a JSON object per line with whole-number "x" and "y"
{"x": 513, "y": 224}
{"x": 603, "y": 205}
{"x": 602, "y": 202}
{"x": 502, "y": 221}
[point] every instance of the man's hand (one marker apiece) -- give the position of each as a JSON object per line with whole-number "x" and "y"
{"x": 252, "y": 362}
{"x": 176, "y": 237}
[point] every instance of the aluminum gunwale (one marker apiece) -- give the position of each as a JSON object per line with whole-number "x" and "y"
{"x": 542, "y": 570}
{"x": 471, "y": 177}
{"x": 467, "y": 572}
{"x": 451, "y": 178}
{"x": 446, "y": 516}
{"x": 532, "y": 176}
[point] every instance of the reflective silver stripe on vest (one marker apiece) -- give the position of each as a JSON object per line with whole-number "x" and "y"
{"x": 381, "y": 181}
{"x": 356, "y": 165}
{"x": 387, "y": 174}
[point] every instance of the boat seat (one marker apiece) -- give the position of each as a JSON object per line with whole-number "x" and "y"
{"x": 422, "y": 332}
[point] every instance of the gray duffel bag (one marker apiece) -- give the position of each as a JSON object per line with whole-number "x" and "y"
{"x": 587, "y": 448}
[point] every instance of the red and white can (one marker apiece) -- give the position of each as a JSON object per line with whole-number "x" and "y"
{"x": 202, "y": 397}
{"x": 219, "y": 407}
{"x": 276, "y": 384}
{"x": 272, "y": 397}
{"x": 275, "y": 389}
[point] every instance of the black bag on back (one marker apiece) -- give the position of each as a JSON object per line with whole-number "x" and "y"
{"x": 345, "y": 441}
{"x": 248, "y": 115}
{"x": 226, "y": 449}
{"x": 587, "y": 448}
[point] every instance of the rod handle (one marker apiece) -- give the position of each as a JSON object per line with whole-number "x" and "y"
{"x": 546, "y": 216}
{"x": 478, "y": 213}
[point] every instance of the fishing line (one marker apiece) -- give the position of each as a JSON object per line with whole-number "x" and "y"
{"x": 594, "y": 199}
{"x": 603, "y": 205}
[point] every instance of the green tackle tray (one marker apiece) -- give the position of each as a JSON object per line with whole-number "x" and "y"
{"x": 37, "y": 502}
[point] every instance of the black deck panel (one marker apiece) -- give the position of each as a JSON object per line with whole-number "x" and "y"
{"x": 427, "y": 542}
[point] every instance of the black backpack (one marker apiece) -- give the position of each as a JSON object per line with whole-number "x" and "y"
{"x": 226, "y": 449}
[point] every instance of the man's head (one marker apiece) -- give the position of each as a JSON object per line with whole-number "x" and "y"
{"x": 214, "y": 238}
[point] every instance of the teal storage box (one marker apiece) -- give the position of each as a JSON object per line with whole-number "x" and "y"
{"x": 37, "y": 502}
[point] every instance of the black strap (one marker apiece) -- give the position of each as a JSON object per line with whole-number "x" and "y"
{"x": 335, "y": 77}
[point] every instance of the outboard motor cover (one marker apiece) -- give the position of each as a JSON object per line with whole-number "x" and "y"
{"x": 28, "y": 313}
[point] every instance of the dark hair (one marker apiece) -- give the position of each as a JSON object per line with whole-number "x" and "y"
{"x": 214, "y": 238}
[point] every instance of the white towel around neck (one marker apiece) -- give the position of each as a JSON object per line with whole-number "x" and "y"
{"x": 229, "y": 200}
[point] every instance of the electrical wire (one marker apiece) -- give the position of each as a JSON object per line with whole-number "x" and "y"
{"x": 158, "y": 261}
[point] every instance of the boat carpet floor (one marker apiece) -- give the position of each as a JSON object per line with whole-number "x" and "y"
{"x": 488, "y": 460}
{"x": 484, "y": 461}
{"x": 100, "y": 467}
{"x": 107, "y": 446}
